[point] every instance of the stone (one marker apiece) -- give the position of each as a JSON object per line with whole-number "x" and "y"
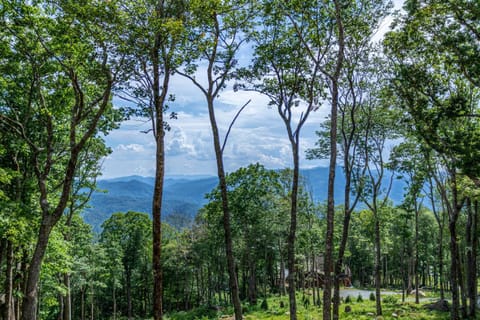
{"x": 440, "y": 305}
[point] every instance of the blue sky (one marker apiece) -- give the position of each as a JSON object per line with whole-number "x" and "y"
{"x": 258, "y": 135}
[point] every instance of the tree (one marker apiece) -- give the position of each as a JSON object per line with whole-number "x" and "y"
{"x": 321, "y": 30}
{"x": 408, "y": 159}
{"x": 215, "y": 36}
{"x": 360, "y": 20}
{"x": 377, "y": 129}
{"x": 435, "y": 81}
{"x": 282, "y": 71}
{"x": 154, "y": 29}
{"x": 59, "y": 103}
{"x": 129, "y": 232}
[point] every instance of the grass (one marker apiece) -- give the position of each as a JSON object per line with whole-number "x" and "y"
{"x": 392, "y": 309}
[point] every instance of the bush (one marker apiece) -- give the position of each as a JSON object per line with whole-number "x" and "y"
{"x": 390, "y": 299}
{"x": 264, "y": 304}
{"x": 359, "y": 298}
{"x": 372, "y": 296}
{"x": 348, "y": 299}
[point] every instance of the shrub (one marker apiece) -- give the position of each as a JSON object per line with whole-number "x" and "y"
{"x": 348, "y": 299}
{"x": 372, "y": 296}
{"x": 264, "y": 304}
{"x": 390, "y": 299}
{"x": 359, "y": 298}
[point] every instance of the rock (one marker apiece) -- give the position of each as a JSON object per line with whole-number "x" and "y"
{"x": 348, "y": 309}
{"x": 420, "y": 293}
{"x": 394, "y": 315}
{"x": 440, "y": 305}
{"x": 370, "y": 314}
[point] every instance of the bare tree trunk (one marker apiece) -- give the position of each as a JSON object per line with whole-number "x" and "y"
{"x": 452, "y": 226}
{"x": 291, "y": 235}
{"x": 282, "y": 270}
{"x": 114, "y": 297}
{"x": 9, "y": 302}
{"x": 328, "y": 258}
{"x": 378, "y": 300}
{"x": 417, "y": 296}
{"x": 29, "y": 311}
{"x": 92, "y": 303}
{"x": 67, "y": 305}
{"x": 440, "y": 265}
{"x": 472, "y": 262}
{"x": 82, "y": 304}
{"x": 226, "y": 212}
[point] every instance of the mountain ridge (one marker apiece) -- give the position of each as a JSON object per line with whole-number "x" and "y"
{"x": 184, "y": 195}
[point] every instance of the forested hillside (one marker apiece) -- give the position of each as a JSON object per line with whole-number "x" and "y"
{"x": 184, "y": 196}
{"x": 386, "y": 100}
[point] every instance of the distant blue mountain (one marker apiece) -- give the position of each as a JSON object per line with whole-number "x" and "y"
{"x": 185, "y": 195}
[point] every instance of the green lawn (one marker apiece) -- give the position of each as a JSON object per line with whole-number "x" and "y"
{"x": 393, "y": 308}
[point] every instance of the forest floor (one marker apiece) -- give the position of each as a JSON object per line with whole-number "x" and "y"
{"x": 351, "y": 308}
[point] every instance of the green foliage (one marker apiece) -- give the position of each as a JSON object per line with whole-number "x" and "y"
{"x": 348, "y": 299}
{"x": 390, "y": 299}
{"x": 360, "y": 298}
{"x": 264, "y": 304}
{"x": 372, "y": 296}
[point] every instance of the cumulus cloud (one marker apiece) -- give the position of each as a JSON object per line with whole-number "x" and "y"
{"x": 178, "y": 144}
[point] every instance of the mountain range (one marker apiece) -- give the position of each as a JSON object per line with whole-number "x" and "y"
{"x": 184, "y": 195}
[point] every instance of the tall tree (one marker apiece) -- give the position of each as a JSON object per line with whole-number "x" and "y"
{"x": 378, "y": 129}
{"x": 66, "y": 99}
{"x": 283, "y": 72}
{"x": 154, "y": 29}
{"x": 321, "y": 30}
{"x": 216, "y": 33}
{"x": 437, "y": 83}
{"x": 361, "y": 21}
{"x": 129, "y": 231}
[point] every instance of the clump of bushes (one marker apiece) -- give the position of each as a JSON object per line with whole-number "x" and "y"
{"x": 390, "y": 299}
{"x": 348, "y": 299}
{"x": 359, "y": 298}
{"x": 372, "y": 296}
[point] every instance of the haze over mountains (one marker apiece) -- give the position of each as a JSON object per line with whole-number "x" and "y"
{"x": 185, "y": 195}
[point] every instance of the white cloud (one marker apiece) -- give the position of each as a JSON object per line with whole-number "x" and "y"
{"x": 258, "y": 135}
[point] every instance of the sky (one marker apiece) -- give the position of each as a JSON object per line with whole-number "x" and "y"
{"x": 258, "y": 135}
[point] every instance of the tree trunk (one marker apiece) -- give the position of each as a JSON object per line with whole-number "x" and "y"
{"x": 82, "y": 304}
{"x": 114, "y": 297}
{"x": 415, "y": 265}
{"x": 452, "y": 226}
{"x": 329, "y": 245}
{"x": 461, "y": 281}
{"x": 160, "y": 91}
{"x": 29, "y": 308}
{"x": 291, "y": 235}
{"x": 9, "y": 302}
{"x": 472, "y": 263}
{"x": 282, "y": 271}
{"x": 67, "y": 305}
{"x": 378, "y": 300}
{"x": 341, "y": 251}
{"x": 252, "y": 290}
{"x": 157, "y": 231}
{"x": 3, "y": 245}
{"x": 129, "y": 293}
{"x": 440, "y": 265}
{"x": 92, "y": 303}
{"x": 233, "y": 282}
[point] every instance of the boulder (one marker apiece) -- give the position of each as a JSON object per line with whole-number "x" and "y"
{"x": 440, "y": 305}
